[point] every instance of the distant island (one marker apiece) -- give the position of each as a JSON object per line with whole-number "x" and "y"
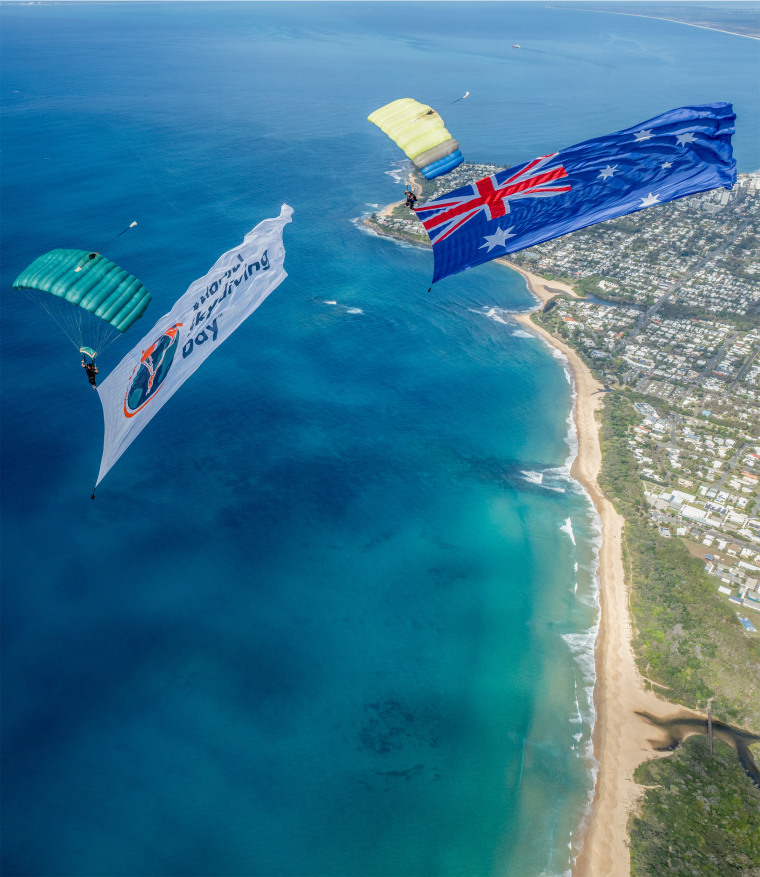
{"x": 659, "y": 315}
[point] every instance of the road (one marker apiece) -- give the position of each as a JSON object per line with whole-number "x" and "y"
{"x": 716, "y": 359}
{"x": 744, "y": 369}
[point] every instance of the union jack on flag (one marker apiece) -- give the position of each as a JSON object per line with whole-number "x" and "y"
{"x": 679, "y": 153}
{"x": 445, "y": 215}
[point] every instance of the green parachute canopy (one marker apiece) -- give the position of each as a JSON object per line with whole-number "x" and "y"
{"x": 420, "y": 132}
{"x": 91, "y": 298}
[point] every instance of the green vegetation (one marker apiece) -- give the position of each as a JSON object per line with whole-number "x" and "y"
{"x": 685, "y": 636}
{"x": 426, "y": 188}
{"x": 701, "y": 818}
{"x": 587, "y": 285}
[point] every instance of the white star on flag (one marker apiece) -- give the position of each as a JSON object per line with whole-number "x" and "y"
{"x": 497, "y": 239}
{"x": 643, "y": 135}
{"x": 650, "y": 200}
{"x": 608, "y": 171}
{"x": 683, "y": 139}
{"x": 666, "y": 165}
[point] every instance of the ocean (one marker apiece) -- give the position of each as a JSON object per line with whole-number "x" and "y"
{"x": 333, "y": 613}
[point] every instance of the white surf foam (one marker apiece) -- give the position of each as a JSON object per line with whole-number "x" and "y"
{"x": 533, "y": 477}
{"x": 504, "y": 317}
{"x": 555, "y": 479}
{"x": 582, "y": 645}
{"x": 572, "y": 433}
{"x": 358, "y": 222}
{"x": 400, "y": 172}
{"x": 567, "y": 527}
{"x": 497, "y": 315}
{"x": 583, "y": 648}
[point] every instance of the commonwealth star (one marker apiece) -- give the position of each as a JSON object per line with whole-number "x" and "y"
{"x": 497, "y": 239}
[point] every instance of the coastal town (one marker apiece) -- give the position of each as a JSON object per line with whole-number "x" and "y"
{"x": 672, "y": 311}
{"x": 658, "y": 314}
{"x": 668, "y": 306}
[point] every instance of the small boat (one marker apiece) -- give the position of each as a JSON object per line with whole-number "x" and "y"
{"x": 516, "y": 46}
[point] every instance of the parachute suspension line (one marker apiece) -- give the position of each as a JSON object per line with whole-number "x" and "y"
{"x": 131, "y": 225}
{"x": 82, "y": 328}
{"x": 67, "y": 322}
{"x": 83, "y": 261}
{"x": 466, "y": 94}
{"x": 102, "y": 333}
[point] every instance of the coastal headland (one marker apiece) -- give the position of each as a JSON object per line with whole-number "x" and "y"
{"x": 631, "y": 720}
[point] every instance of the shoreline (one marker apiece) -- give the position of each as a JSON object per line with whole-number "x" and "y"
{"x": 622, "y": 738}
{"x": 626, "y": 729}
{"x": 413, "y": 185}
{"x": 732, "y": 33}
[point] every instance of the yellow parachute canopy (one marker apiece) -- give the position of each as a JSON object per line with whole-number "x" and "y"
{"x": 420, "y": 132}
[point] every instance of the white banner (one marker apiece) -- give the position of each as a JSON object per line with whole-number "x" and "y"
{"x": 206, "y": 315}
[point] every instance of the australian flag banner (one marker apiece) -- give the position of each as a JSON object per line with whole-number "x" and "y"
{"x": 679, "y": 153}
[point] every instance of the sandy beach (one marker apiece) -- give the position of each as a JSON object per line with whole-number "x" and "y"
{"x": 622, "y": 739}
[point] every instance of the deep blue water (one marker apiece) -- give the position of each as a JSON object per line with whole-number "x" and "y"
{"x": 332, "y": 613}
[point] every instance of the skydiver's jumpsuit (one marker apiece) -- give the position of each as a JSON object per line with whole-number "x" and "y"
{"x": 91, "y": 370}
{"x": 410, "y": 199}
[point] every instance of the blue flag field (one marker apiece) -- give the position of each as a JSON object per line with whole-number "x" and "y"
{"x": 679, "y": 153}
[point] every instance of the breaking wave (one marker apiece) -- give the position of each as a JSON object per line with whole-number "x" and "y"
{"x": 533, "y": 477}
{"x": 505, "y": 317}
{"x": 567, "y": 527}
{"x": 400, "y": 172}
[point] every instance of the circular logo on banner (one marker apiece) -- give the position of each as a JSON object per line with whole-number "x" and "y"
{"x": 148, "y": 377}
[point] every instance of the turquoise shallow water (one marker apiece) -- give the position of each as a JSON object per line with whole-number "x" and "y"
{"x": 332, "y": 614}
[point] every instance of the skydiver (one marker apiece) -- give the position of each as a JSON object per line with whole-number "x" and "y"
{"x": 91, "y": 370}
{"x": 410, "y": 199}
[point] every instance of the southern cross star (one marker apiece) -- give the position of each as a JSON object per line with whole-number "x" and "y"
{"x": 666, "y": 165}
{"x": 608, "y": 171}
{"x": 650, "y": 200}
{"x": 643, "y": 135}
{"x": 683, "y": 139}
{"x": 497, "y": 239}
